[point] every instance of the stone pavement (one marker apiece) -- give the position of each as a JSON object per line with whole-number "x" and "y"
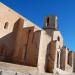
{"x": 13, "y": 69}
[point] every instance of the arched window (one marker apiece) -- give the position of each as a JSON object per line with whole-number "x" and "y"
{"x": 58, "y": 38}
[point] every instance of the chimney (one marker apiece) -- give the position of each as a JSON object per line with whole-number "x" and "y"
{"x": 50, "y": 22}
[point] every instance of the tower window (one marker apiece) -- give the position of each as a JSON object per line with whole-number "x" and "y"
{"x": 47, "y": 21}
{"x": 6, "y": 25}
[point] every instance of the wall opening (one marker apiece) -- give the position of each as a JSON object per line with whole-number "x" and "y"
{"x": 58, "y": 38}
{"x": 47, "y": 21}
{"x": 57, "y": 59}
{"x": 6, "y": 25}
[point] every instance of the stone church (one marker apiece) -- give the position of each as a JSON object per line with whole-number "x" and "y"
{"x": 27, "y": 48}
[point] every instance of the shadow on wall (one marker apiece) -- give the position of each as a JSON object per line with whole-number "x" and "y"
{"x": 7, "y": 43}
{"x": 6, "y": 49}
{"x": 21, "y": 46}
{"x": 50, "y": 57}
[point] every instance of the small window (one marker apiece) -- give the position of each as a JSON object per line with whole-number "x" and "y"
{"x": 58, "y": 38}
{"x": 6, "y": 25}
{"x": 47, "y": 21}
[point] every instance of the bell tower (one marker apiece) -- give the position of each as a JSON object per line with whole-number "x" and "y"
{"x": 50, "y": 22}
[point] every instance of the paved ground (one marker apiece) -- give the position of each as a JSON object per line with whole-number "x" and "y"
{"x": 8, "y": 72}
{"x": 13, "y": 69}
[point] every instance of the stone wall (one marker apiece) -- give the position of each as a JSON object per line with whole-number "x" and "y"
{"x": 44, "y": 43}
{"x": 74, "y": 62}
{"x": 63, "y": 59}
{"x": 50, "y": 57}
{"x": 70, "y": 58}
{"x": 22, "y": 42}
{"x": 25, "y": 45}
{"x": 33, "y": 48}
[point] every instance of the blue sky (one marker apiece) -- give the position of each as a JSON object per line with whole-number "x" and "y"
{"x": 35, "y": 10}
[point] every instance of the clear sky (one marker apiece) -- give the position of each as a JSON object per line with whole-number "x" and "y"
{"x": 35, "y": 10}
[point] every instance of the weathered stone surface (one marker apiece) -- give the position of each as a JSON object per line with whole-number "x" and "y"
{"x": 51, "y": 22}
{"x": 4, "y": 72}
{"x": 70, "y": 58}
{"x": 74, "y": 62}
{"x": 44, "y": 41}
{"x": 33, "y": 48}
{"x": 22, "y": 42}
{"x": 50, "y": 58}
{"x": 63, "y": 59}
{"x": 17, "y": 68}
{"x": 18, "y": 42}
